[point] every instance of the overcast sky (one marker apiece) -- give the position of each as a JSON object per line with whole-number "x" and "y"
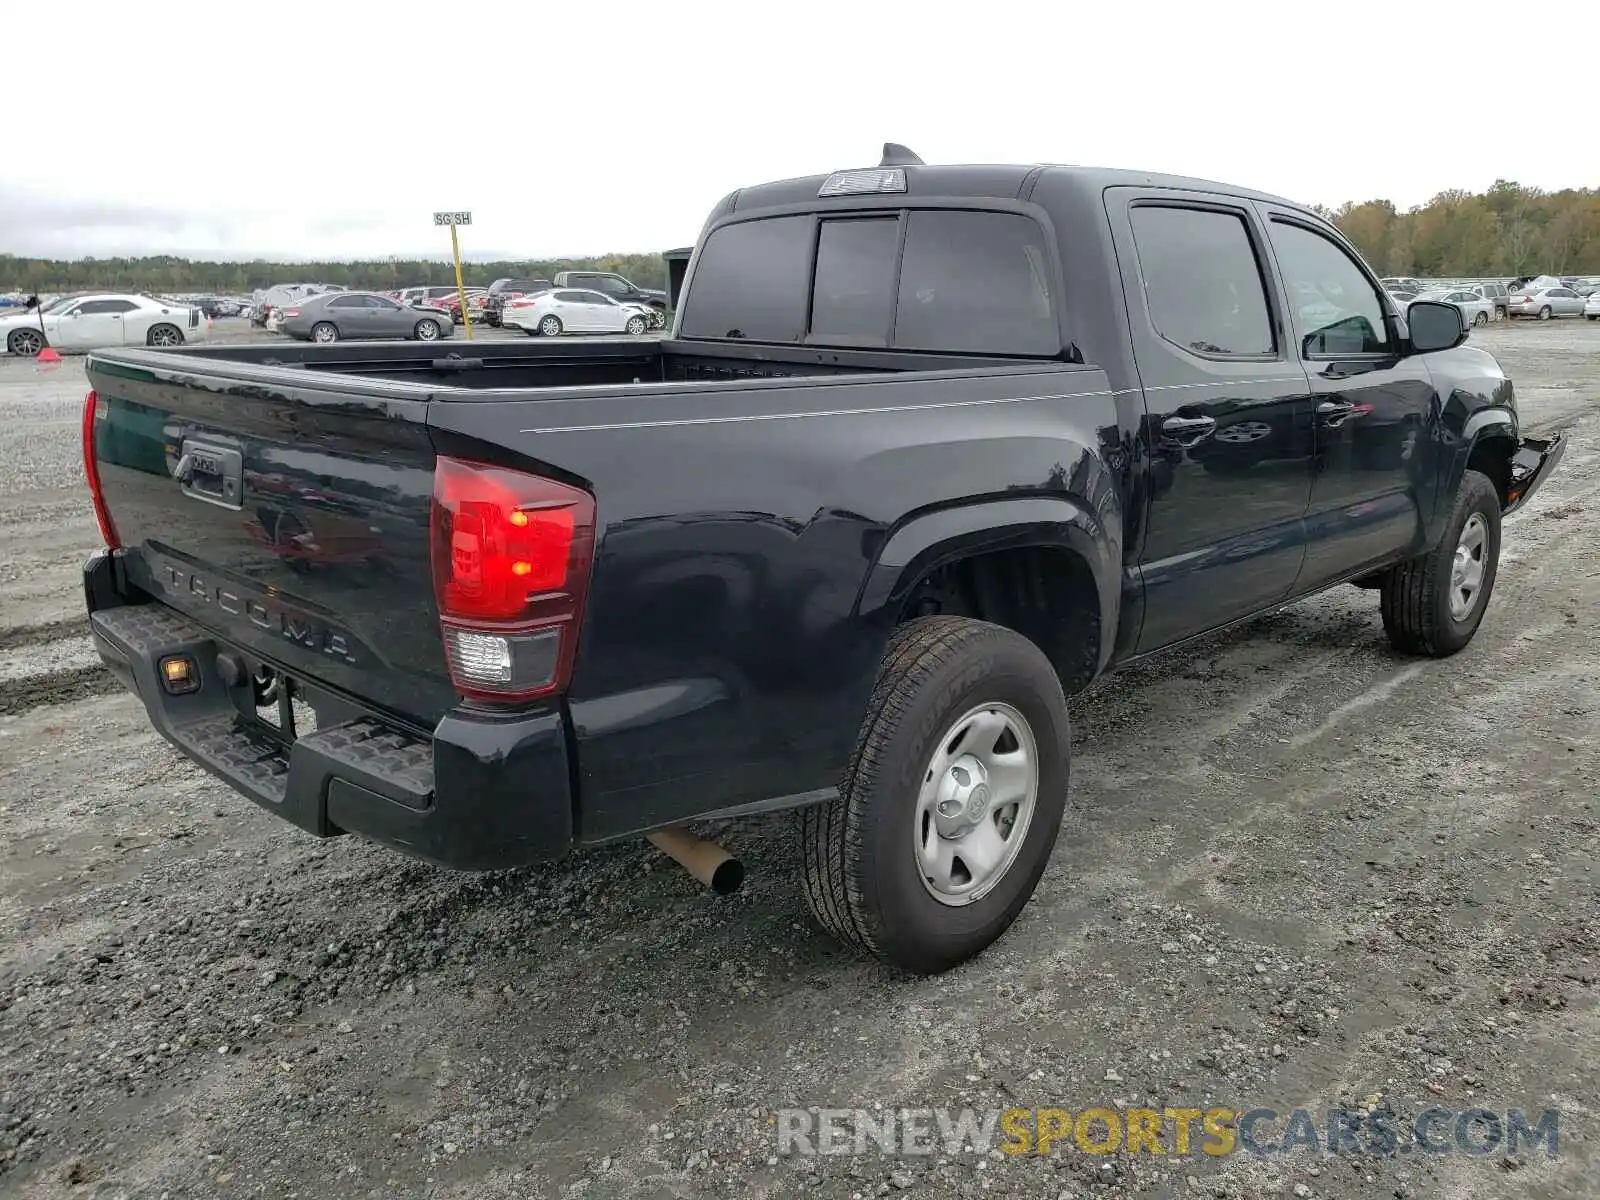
{"x": 292, "y": 129}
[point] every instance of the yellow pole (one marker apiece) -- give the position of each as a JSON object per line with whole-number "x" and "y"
{"x": 461, "y": 292}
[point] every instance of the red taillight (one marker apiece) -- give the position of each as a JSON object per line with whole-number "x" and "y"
{"x": 94, "y": 410}
{"x": 511, "y": 558}
{"x": 291, "y": 312}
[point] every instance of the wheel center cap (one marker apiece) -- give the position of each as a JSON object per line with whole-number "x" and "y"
{"x": 978, "y": 801}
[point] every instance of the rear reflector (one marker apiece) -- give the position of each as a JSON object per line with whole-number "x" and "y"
{"x": 94, "y": 411}
{"x": 511, "y": 555}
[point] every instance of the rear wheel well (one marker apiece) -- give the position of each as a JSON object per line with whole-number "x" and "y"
{"x": 1045, "y": 593}
{"x": 1492, "y": 456}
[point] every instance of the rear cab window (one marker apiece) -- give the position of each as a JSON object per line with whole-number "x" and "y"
{"x": 932, "y": 280}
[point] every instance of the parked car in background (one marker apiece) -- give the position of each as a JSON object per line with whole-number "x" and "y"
{"x": 618, "y": 288}
{"x": 1498, "y": 295}
{"x": 280, "y": 296}
{"x": 363, "y": 316}
{"x": 502, "y": 290}
{"x": 570, "y": 310}
{"x": 433, "y": 293}
{"x": 1546, "y": 302}
{"x": 1475, "y": 309}
{"x": 1591, "y": 305}
{"x": 100, "y": 320}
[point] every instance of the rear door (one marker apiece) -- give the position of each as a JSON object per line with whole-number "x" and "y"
{"x": 1228, "y": 414}
{"x": 1375, "y": 406}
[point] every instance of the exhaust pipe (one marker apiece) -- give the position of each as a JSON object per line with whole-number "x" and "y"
{"x": 706, "y": 861}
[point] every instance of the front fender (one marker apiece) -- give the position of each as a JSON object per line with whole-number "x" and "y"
{"x": 1089, "y": 527}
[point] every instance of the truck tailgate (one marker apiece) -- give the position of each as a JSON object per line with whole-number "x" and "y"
{"x": 290, "y": 521}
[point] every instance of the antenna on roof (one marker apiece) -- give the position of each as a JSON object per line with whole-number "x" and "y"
{"x": 896, "y": 155}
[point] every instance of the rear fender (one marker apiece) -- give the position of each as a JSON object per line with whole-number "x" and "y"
{"x": 931, "y": 540}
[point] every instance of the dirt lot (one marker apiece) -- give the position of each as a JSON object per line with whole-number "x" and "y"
{"x": 1297, "y": 870}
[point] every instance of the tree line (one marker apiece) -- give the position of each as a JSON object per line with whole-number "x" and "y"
{"x": 166, "y": 274}
{"x": 1507, "y": 231}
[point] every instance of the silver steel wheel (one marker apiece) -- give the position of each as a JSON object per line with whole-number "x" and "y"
{"x": 1466, "y": 568}
{"x": 637, "y": 325}
{"x": 977, "y": 800}
{"x": 165, "y": 335}
{"x": 427, "y": 331}
{"x": 550, "y": 327}
{"x": 27, "y": 342}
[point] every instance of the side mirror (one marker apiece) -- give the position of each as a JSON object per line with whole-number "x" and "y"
{"x": 1435, "y": 326}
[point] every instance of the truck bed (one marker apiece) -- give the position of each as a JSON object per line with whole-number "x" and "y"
{"x": 539, "y": 364}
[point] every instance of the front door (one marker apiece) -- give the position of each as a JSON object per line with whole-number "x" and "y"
{"x": 1376, "y": 407}
{"x": 91, "y": 325}
{"x": 1228, "y": 416}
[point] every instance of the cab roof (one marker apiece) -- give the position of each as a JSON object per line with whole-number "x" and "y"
{"x": 1008, "y": 182}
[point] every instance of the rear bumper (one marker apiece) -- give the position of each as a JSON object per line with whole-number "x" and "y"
{"x": 1534, "y": 462}
{"x": 484, "y": 792}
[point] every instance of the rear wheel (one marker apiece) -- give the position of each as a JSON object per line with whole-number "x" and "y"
{"x": 951, "y": 801}
{"x": 427, "y": 330}
{"x": 164, "y": 335}
{"x": 1481, "y": 319}
{"x": 550, "y": 326}
{"x": 1545, "y": 314}
{"x": 324, "y": 331}
{"x": 1434, "y": 604}
{"x": 25, "y": 343}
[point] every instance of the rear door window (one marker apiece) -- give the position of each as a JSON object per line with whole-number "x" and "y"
{"x": 1202, "y": 280}
{"x": 977, "y": 282}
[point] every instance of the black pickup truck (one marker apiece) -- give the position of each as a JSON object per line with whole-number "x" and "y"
{"x": 928, "y": 449}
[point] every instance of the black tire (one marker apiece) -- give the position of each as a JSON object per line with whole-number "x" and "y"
{"x": 862, "y": 879}
{"x": 1481, "y": 319}
{"x": 637, "y": 326}
{"x": 550, "y": 326}
{"x": 1545, "y": 314}
{"x": 26, "y": 343}
{"x": 430, "y": 324}
{"x": 164, "y": 335}
{"x": 329, "y": 332}
{"x": 1416, "y": 595}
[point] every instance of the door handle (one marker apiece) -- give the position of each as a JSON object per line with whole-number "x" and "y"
{"x": 1189, "y": 431}
{"x": 1334, "y": 413}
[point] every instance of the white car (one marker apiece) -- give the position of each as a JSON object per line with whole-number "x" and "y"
{"x": 569, "y": 310}
{"x": 91, "y": 322}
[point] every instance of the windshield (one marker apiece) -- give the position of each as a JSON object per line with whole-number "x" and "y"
{"x": 58, "y": 305}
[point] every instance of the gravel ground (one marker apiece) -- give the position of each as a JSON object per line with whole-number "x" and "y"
{"x": 1297, "y": 870}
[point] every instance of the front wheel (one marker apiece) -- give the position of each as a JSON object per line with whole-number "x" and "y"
{"x": 951, "y": 801}
{"x": 427, "y": 330}
{"x": 1434, "y": 604}
{"x": 25, "y": 343}
{"x": 637, "y": 326}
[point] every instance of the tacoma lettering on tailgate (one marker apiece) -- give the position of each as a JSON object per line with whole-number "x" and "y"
{"x": 293, "y": 627}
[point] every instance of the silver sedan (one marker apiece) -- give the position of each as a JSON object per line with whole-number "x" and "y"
{"x": 1546, "y": 303}
{"x": 362, "y": 316}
